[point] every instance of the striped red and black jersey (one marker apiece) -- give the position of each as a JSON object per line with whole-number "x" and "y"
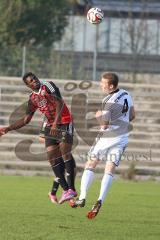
{"x": 45, "y": 100}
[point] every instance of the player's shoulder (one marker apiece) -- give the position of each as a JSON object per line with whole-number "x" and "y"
{"x": 126, "y": 93}
{"x": 51, "y": 88}
{"x": 123, "y": 93}
{"x": 49, "y": 85}
{"x": 31, "y": 95}
{"x": 121, "y": 90}
{"x": 118, "y": 94}
{"x": 32, "y": 98}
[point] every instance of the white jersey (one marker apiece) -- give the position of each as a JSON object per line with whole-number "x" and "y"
{"x": 116, "y": 107}
{"x": 111, "y": 142}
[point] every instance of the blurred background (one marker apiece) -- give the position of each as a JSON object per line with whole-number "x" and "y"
{"x": 48, "y": 37}
{"x": 53, "y": 39}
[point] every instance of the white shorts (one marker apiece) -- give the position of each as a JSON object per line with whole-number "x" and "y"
{"x": 106, "y": 149}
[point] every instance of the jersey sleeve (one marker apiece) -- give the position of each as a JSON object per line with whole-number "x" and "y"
{"x": 52, "y": 89}
{"x": 106, "y": 116}
{"x": 30, "y": 108}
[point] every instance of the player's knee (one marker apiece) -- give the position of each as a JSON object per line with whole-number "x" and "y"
{"x": 91, "y": 164}
{"x": 53, "y": 160}
{"x": 67, "y": 156}
{"x": 110, "y": 168}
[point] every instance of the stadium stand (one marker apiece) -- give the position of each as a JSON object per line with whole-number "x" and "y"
{"x": 29, "y": 158}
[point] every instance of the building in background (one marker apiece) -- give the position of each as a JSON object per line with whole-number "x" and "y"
{"x": 131, "y": 27}
{"x": 127, "y": 41}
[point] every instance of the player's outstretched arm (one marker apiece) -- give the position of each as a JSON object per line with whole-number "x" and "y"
{"x": 18, "y": 124}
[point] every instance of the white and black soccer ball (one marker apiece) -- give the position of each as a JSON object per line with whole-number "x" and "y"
{"x": 95, "y": 15}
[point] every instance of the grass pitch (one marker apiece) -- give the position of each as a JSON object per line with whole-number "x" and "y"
{"x": 131, "y": 211}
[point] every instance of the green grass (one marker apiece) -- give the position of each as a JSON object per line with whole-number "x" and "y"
{"x": 131, "y": 211}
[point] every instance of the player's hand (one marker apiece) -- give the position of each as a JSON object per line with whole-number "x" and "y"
{"x": 99, "y": 114}
{"x": 53, "y": 131}
{"x": 3, "y": 131}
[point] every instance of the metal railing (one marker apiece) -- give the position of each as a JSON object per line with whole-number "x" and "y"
{"x": 56, "y": 64}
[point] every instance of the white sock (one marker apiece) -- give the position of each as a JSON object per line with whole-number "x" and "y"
{"x": 105, "y": 185}
{"x": 86, "y": 180}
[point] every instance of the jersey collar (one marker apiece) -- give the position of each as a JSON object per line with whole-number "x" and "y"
{"x": 115, "y": 91}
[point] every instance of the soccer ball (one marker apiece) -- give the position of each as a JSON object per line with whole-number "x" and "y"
{"x": 95, "y": 15}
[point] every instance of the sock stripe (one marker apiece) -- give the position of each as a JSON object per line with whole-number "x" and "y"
{"x": 109, "y": 174}
{"x": 55, "y": 165}
{"x": 67, "y": 160}
{"x": 90, "y": 169}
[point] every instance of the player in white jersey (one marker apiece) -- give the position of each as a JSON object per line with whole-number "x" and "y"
{"x": 117, "y": 111}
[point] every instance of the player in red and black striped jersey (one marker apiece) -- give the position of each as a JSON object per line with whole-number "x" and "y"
{"x": 46, "y": 97}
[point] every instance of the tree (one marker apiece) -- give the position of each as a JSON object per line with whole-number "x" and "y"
{"x": 32, "y": 22}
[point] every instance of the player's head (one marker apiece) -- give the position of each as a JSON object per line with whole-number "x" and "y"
{"x": 31, "y": 80}
{"x": 109, "y": 82}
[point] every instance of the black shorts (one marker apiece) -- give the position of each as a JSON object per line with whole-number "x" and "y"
{"x": 64, "y": 134}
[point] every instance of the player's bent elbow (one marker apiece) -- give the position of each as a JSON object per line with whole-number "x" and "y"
{"x": 132, "y": 117}
{"x": 132, "y": 114}
{"x": 27, "y": 119}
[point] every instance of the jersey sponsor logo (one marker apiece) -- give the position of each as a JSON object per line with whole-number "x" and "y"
{"x": 42, "y": 103}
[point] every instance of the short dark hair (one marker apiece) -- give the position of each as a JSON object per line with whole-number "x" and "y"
{"x": 29, "y": 74}
{"x": 112, "y": 77}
